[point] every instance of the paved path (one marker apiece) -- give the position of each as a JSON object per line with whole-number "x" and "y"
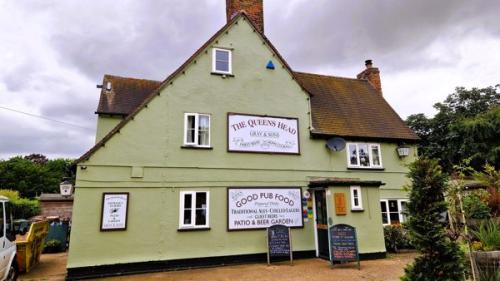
{"x": 309, "y": 269}
{"x": 52, "y": 267}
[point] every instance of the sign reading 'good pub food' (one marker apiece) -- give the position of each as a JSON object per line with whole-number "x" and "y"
{"x": 254, "y": 208}
{"x": 263, "y": 134}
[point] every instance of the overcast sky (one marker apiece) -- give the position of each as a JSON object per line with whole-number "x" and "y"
{"x": 53, "y": 53}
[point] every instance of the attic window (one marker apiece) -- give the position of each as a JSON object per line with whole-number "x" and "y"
{"x": 221, "y": 61}
{"x": 108, "y": 86}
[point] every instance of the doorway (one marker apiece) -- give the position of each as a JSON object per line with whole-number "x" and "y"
{"x": 321, "y": 224}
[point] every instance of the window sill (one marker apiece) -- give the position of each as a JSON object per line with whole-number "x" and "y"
{"x": 196, "y": 147}
{"x": 193, "y": 229}
{"x": 357, "y": 210}
{"x": 365, "y": 169}
{"x": 222, "y": 74}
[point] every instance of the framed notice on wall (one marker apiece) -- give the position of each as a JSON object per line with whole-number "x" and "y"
{"x": 114, "y": 211}
{"x": 259, "y": 208}
{"x": 262, "y": 134}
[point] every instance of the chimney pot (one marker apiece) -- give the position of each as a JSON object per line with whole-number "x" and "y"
{"x": 254, "y": 9}
{"x": 368, "y": 63}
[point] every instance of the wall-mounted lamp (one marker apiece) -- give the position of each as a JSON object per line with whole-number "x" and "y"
{"x": 403, "y": 151}
{"x": 66, "y": 187}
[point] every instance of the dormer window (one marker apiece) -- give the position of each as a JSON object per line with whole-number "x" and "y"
{"x": 221, "y": 61}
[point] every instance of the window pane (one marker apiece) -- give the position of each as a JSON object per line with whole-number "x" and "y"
{"x": 404, "y": 209}
{"x": 394, "y": 218}
{"x": 393, "y": 206}
{"x": 201, "y": 200}
{"x": 187, "y": 216}
{"x": 376, "y": 155}
{"x": 222, "y": 55}
{"x": 355, "y": 192}
{"x": 201, "y": 217}
{"x": 353, "y": 158}
{"x": 203, "y": 130}
{"x": 190, "y": 129}
{"x": 383, "y": 206}
{"x": 384, "y": 218}
{"x": 222, "y": 66}
{"x": 356, "y": 202}
{"x": 187, "y": 201}
{"x": 364, "y": 158}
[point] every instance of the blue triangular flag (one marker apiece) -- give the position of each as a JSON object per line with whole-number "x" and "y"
{"x": 270, "y": 65}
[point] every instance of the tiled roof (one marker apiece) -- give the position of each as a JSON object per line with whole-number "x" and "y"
{"x": 340, "y": 106}
{"x": 125, "y": 95}
{"x": 351, "y": 108}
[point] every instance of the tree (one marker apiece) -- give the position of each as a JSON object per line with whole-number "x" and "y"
{"x": 441, "y": 258}
{"x": 466, "y": 125}
{"x": 31, "y": 176}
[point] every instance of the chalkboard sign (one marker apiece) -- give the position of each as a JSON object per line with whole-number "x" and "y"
{"x": 278, "y": 242}
{"x": 343, "y": 244}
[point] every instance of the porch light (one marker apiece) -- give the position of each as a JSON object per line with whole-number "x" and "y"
{"x": 66, "y": 187}
{"x": 403, "y": 151}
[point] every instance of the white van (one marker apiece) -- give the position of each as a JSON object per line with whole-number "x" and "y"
{"x": 8, "y": 262}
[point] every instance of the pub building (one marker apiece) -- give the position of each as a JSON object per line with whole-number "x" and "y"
{"x": 191, "y": 170}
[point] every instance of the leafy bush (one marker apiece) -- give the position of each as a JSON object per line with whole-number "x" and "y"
{"x": 22, "y": 208}
{"x": 475, "y": 205}
{"x": 396, "y": 238}
{"x": 488, "y": 235}
{"x": 53, "y": 246}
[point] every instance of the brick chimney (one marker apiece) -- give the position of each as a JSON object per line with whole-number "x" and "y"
{"x": 254, "y": 9}
{"x": 372, "y": 74}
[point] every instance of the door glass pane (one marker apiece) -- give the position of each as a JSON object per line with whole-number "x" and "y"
{"x": 320, "y": 207}
{"x": 375, "y": 155}
{"x": 353, "y": 157}
{"x": 364, "y": 158}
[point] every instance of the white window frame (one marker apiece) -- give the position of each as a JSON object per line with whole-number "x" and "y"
{"x": 196, "y": 129}
{"x": 230, "y": 62}
{"x": 369, "y": 145}
{"x": 359, "y": 206}
{"x": 400, "y": 210}
{"x": 182, "y": 225}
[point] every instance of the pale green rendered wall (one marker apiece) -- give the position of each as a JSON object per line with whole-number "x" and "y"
{"x": 153, "y": 140}
{"x": 104, "y": 125}
{"x": 368, "y": 223}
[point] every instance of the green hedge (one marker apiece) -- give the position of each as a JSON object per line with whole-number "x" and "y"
{"x": 22, "y": 208}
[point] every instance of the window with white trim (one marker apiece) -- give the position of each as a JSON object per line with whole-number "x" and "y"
{"x": 393, "y": 211}
{"x": 197, "y": 129}
{"x": 356, "y": 198}
{"x": 221, "y": 61}
{"x": 364, "y": 155}
{"x": 193, "y": 209}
